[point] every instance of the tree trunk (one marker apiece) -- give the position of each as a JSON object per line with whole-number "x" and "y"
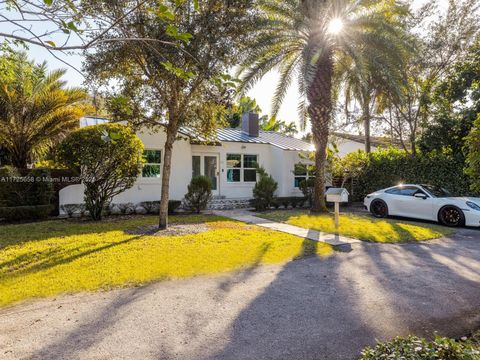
{"x": 320, "y": 112}
{"x": 366, "y": 125}
{"x": 167, "y": 166}
{"x": 413, "y": 144}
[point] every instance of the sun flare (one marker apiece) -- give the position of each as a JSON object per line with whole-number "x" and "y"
{"x": 335, "y": 26}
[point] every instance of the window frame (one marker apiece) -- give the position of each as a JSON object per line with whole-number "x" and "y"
{"x": 241, "y": 168}
{"x": 308, "y": 174}
{"x": 152, "y": 164}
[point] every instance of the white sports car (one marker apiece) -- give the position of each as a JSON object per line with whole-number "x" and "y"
{"x": 424, "y": 202}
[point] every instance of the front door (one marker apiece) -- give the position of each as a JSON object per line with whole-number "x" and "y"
{"x": 207, "y": 165}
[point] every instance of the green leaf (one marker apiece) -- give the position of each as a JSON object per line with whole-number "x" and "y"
{"x": 51, "y": 43}
{"x": 48, "y": 2}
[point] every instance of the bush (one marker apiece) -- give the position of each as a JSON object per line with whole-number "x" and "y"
{"x": 71, "y": 209}
{"x": 416, "y": 348}
{"x": 152, "y": 207}
{"x": 110, "y": 159}
{"x": 25, "y": 188}
{"x": 126, "y": 208}
{"x": 307, "y": 187}
{"x": 173, "y": 206}
{"x": 18, "y": 213}
{"x": 388, "y": 167}
{"x": 199, "y": 194}
{"x": 263, "y": 192}
{"x": 292, "y": 201}
{"x": 472, "y": 149}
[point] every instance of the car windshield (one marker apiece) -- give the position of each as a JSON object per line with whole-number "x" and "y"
{"x": 437, "y": 191}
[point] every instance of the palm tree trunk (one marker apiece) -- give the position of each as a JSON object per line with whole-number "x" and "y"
{"x": 320, "y": 112}
{"x": 167, "y": 166}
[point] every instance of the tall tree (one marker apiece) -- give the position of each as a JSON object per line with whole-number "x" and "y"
{"x": 366, "y": 84}
{"x": 443, "y": 41}
{"x": 172, "y": 86}
{"x": 307, "y": 39}
{"x": 457, "y": 104}
{"x": 36, "y": 109}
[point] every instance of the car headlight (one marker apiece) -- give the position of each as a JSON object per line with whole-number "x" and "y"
{"x": 473, "y": 206}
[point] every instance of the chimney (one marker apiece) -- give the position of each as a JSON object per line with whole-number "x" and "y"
{"x": 250, "y": 124}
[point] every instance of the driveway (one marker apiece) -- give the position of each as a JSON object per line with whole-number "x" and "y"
{"x": 307, "y": 309}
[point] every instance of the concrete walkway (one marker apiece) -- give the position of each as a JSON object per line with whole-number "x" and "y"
{"x": 247, "y": 217}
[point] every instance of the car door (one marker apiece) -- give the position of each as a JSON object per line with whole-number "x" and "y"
{"x": 409, "y": 205}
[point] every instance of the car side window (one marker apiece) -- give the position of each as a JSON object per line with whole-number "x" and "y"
{"x": 405, "y": 191}
{"x": 408, "y": 191}
{"x": 394, "y": 191}
{"x": 420, "y": 192}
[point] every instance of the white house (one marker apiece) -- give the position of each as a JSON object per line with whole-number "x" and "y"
{"x": 348, "y": 143}
{"x": 230, "y": 163}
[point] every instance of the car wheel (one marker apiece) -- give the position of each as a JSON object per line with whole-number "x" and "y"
{"x": 451, "y": 216}
{"x": 379, "y": 208}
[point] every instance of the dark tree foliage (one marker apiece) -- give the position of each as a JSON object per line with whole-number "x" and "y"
{"x": 166, "y": 86}
{"x": 457, "y": 104}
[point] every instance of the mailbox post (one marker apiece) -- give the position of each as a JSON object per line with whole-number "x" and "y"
{"x": 337, "y": 196}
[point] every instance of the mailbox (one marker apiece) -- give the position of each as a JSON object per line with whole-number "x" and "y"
{"x": 337, "y": 195}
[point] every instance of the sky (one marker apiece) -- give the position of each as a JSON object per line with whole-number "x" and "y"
{"x": 262, "y": 92}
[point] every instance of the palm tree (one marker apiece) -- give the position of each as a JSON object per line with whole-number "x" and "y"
{"x": 369, "y": 84}
{"x": 36, "y": 110}
{"x": 307, "y": 39}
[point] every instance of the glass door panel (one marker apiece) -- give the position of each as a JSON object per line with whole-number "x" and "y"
{"x": 210, "y": 167}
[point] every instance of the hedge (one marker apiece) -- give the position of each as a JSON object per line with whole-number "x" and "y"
{"x": 20, "y": 188}
{"x": 21, "y": 213}
{"x": 365, "y": 173}
{"x": 415, "y": 348}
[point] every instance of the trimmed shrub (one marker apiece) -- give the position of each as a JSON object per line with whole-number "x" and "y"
{"x": 199, "y": 194}
{"x": 110, "y": 159}
{"x": 152, "y": 207}
{"x": 292, "y": 201}
{"x": 71, "y": 209}
{"x": 263, "y": 192}
{"x": 307, "y": 187}
{"x": 126, "y": 208}
{"x": 416, "y": 348}
{"x": 388, "y": 167}
{"x": 173, "y": 206}
{"x": 20, "y": 213}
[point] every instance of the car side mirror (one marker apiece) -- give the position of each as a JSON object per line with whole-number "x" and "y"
{"x": 421, "y": 196}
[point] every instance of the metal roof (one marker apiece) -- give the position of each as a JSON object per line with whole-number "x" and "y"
{"x": 264, "y": 137}
{"x": 229, "y": 135}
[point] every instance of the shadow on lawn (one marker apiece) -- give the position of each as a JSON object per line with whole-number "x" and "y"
{"x": 17, "y": 234}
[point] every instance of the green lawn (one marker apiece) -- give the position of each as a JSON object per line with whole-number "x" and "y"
{"x": 363, "y": 227}
{"x": 53, "y": 257}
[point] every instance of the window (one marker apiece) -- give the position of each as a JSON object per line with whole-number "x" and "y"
{"x": 405, "y": 191}
{"x": 152, "y": 166}
{"x": 302, "y": 172}
{"x": 241, "y": 168}
{"x": 250, "y": 168}
{"x": 437, "y": 191}
{"x": 196, "y": 170}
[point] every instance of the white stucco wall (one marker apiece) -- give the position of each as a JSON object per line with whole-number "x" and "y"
{"x": 346, "y": 146}
{"x": 277, "y": 162}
